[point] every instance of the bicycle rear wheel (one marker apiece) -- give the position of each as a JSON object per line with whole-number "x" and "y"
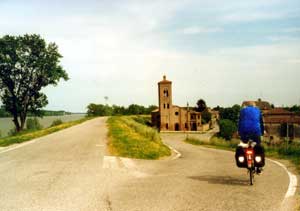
{"x": 251, "y": 176}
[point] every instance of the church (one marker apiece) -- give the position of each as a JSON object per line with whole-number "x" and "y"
{"x": 169, "y": 117}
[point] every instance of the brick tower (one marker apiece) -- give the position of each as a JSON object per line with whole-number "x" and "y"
{"x": 165, "y": 104}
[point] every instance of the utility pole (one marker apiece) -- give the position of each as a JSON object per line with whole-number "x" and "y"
{"x": 287, "y": 136}
{"x": 187, "y": 120}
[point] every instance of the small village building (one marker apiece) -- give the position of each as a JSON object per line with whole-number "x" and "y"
{"x": 169, "y": 117}
{"x": 282, "y": 123}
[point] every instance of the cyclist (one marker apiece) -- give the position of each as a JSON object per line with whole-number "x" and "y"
{"x": 251, "y": 127}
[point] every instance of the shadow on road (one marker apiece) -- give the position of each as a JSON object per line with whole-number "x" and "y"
{"x": 223, "y": 180}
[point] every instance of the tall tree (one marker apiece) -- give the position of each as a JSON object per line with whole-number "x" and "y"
{"x": 201, "y": 105}
{"x": 27, "y": 64}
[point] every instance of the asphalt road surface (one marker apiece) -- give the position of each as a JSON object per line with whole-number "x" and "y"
{"x": 70, "y": 170}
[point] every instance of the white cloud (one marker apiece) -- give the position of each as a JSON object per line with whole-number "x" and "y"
{"x": 249, "y": 16}
{"x": 292, "y": 30}
{"x": 281, "y": 38}
{"x": 200, "y": 30}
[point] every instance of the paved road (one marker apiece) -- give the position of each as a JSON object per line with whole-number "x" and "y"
{"x": 70, "y": 170}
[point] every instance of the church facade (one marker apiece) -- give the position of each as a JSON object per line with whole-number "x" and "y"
{"x": 169, "y": 117}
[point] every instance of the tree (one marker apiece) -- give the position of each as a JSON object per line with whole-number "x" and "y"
{"x": 27, "y": 64}
{"x": 150, "y": 109}
{"x": 295, "y": 109}
{"x": 227, "y": 128}
{"x": 231, "y": 113}
{"x": 99, "y": 110}
{"x": 136, "y": 109}
{"x": 201, "y": 105}
{"x": 118, "y": 110}
{"x": 205, "y": 116}
{"x": 217, "y": 108}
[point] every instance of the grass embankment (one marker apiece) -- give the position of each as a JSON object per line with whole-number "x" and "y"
{"x": 129, "y": 136}
{"x": 282, "y": 151}
{"x": 29, "y": 135}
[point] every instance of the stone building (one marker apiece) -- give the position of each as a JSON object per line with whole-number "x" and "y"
{"x": 278, "y": 121}
{"x": 169, "y": 117}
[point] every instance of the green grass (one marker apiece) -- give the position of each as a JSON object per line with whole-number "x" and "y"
{"x": 28, "y": 135}
{"x": 289, "y": 152}
{"x": 128, "y": 137}
{"x": 215, "y": 142}
{"x": 143, "y": 119}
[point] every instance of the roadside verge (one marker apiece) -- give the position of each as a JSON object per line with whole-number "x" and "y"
{"x": 130, "y": 138}
{"x": 30, "y": 135}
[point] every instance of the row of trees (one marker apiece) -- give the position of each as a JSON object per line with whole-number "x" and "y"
{"x": 4, "y": 113}
{"x": 294, "y": 108}
{"x": 134, "y": 109}
{"x": 107, "y": 110}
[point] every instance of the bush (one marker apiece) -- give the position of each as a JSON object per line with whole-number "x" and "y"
{"x": 205, "y": 116}
{"x": 12, "y": 132}
{"x": 33, "y": 124}
{"x": 227, "y": 128}
{"x": 56, "y": 122}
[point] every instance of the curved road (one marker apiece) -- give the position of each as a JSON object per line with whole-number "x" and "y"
{"x": 70, "y": 170}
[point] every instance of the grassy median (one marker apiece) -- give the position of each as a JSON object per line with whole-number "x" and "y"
{"x": 282, "y": 151}
{"x": 129, "y": 136}
{"x": 29, "y": 135}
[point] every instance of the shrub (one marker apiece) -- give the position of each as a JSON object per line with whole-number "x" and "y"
{"x": 56, "y": 122}
{"x": 12, "y": 132}
{"x": 33, "y": 124}
{"x": 205, "y": 116}
{"x": 227, "y": 128}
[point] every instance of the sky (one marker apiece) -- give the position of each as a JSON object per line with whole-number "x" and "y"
{"x": 224, "y": 52}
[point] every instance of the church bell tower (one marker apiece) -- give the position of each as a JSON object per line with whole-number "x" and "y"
{"x": 165, "y": 104}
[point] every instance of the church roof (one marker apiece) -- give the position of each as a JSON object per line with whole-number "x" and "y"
{"x": 165, "y": 81}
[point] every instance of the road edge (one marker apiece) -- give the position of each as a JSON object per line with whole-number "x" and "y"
{"x": 292, "y": 187}
{"x": 178, "y": 154}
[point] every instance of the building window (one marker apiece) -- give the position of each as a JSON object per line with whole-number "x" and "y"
{"x": 176, "y": 113}
{"x": 167, "y": 126}
{"x": 164, "y": 105}
{"x": 186, "y": 126}
{"x": 198, "y": 124}
{"x": 198, "y": 116}
{"x": 166, "y": 93}
{"x": 168, "y": 105}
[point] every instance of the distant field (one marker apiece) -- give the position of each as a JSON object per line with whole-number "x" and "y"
{"x": 6, "y": 123}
